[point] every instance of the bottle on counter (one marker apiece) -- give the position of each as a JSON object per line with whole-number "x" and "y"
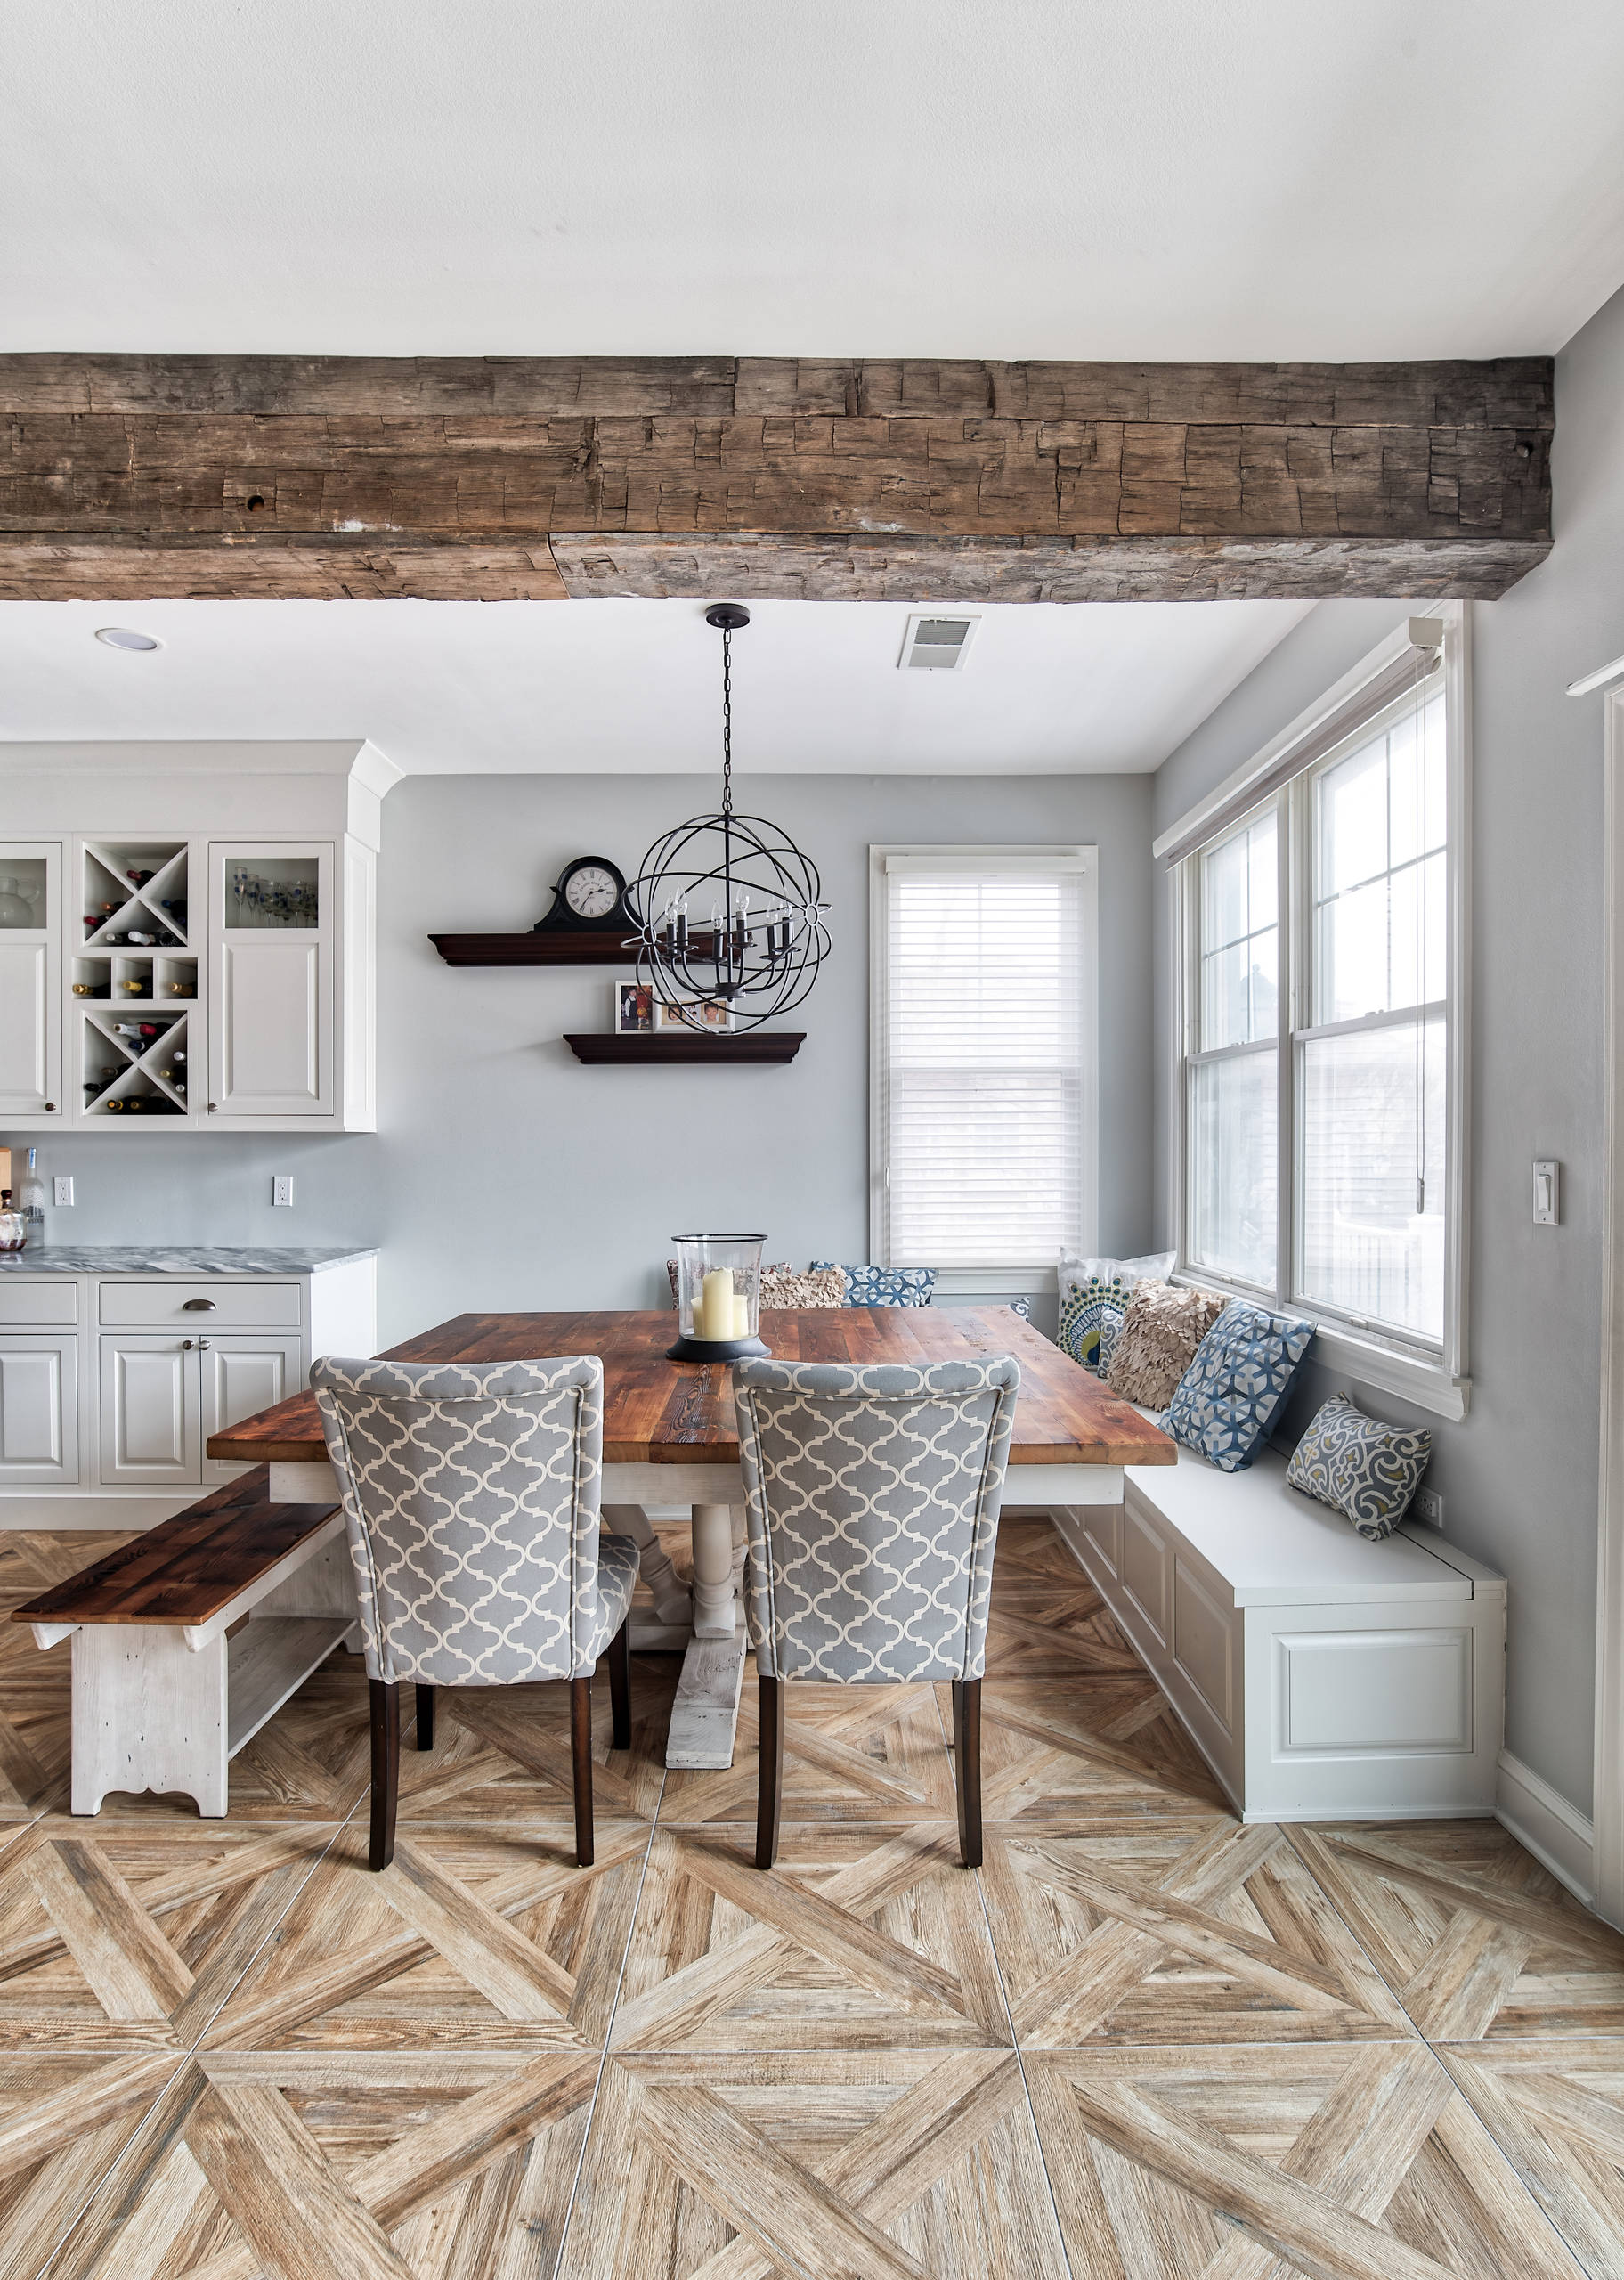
{"x": 31, "y": 1201}
{"x": 13, "y": 1227}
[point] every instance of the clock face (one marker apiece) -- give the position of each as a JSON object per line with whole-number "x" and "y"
{"x": 591, "y": 890}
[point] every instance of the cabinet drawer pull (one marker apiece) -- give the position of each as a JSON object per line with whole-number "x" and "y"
{"x": 199, "y": 1305}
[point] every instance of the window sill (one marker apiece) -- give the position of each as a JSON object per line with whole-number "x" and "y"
{"x": 1385, "y": 1368}
{"x": 998, "y": 1282}
{"x": 1427, "y": 1384}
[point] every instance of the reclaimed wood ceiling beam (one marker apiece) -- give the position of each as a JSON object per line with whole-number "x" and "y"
{"x": 550, "y": 477}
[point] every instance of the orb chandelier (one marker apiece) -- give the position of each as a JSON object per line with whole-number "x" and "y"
{"x": 732, "y": 911}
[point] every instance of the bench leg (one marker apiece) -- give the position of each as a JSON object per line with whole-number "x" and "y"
{"x": 385, "y": 1771}
{"x": 426, "y": 1717}
{"x": 148, "y": 1713}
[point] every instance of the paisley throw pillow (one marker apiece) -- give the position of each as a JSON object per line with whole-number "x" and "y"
{"x": 1366, "y": 1470}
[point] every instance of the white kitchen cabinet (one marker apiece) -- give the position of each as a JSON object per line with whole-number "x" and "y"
{"x": 39, "y": 1409}
{"x": 151, "y": 1413}
{"x": 199, "y": 984}
{"x": 31, "y": 983}
{"x": 270, "y": 979}
{"x": 241, "y": 1375}
{"x": 118, "y": 1364}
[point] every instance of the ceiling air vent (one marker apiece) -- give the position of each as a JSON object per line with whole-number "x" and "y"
{"x": 937, "y": 644}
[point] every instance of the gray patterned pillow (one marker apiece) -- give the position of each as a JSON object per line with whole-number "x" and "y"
{"x": 1366, "y": 1470}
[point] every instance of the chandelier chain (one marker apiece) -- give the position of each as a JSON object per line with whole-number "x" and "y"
{"x": 728, "y": 719}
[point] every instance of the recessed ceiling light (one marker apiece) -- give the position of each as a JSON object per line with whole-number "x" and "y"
{"x": 122, "y": 637}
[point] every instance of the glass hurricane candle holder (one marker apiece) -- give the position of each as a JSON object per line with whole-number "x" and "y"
{"x": 719, "y": 1297}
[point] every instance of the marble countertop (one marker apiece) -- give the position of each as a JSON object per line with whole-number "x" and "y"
{"x": 177, "y": 1259}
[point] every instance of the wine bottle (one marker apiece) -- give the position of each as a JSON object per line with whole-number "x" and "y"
{"x": 113, "y": 1107}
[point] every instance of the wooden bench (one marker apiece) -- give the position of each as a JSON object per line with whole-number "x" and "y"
{"x": 1322, "y": 1677}
{"x": 169, "y": 1681}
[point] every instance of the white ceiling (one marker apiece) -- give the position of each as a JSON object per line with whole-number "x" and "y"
{"x": 625, "y": 686}
{"x": 1073, "y": 178}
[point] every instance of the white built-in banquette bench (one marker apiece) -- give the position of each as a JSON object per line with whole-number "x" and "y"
{"x": 1322, "y": 1677}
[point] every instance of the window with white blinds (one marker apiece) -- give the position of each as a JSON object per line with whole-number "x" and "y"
{"x": 984, "y": 1056}
{"x": 1321, "y": 1011}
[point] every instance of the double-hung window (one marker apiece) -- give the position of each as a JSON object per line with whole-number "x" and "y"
{"x": 983, "y": 1031}
{"x": 1321, "y": 1069}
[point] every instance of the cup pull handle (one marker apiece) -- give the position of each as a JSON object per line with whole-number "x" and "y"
{"x": 199, "y": 1305}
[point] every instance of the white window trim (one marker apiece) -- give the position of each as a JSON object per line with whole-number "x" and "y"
{"x": 1435, "y": 1381}
{"x": 955, "y": 1280}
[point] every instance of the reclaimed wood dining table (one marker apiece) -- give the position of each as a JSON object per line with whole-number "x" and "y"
{"x": 670, "y": 1444}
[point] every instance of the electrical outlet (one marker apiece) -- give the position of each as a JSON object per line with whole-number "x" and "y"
{"x": 281, "y": 1191}
{"x": 63, "y": 1189}
{"x": 1429, "y": 1508}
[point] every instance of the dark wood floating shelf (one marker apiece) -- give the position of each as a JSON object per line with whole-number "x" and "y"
{"x": 757, "y": 1048}
{"x": 535, "y": 949}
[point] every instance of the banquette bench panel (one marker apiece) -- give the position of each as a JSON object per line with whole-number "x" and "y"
{"x": 1322, "y": 1676}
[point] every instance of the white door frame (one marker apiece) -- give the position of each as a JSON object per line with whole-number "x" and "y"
{"x": 1609, "y": 1807}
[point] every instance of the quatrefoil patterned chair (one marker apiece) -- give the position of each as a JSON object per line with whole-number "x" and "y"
{"x": 471, "y": 1498}
{"x": 873, "y": 1494}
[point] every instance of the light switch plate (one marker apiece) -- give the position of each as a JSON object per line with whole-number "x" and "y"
{"x": 282, "y": 1190}
{"x": 1547, "y": 1194}
{"x": 62, "y": 1188}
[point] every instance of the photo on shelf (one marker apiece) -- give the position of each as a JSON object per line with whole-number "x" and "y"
{"x": 634, "y": 1009}
{"x": 701, "y": 1014}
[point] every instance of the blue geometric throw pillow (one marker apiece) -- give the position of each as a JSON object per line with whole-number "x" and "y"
{"x": 886, "y": 1286}
{"x": 1366, "y": 1470}
{"x": 1241, "y": 1372}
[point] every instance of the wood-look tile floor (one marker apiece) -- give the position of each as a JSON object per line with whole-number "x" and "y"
{"x": 1141, "y": 2043}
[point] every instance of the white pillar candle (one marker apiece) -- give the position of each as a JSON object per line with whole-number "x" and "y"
{"x": 740, "y": 1315}
{"x": 713, "y": 1308}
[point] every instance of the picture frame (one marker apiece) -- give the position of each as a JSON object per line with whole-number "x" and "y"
{"x": 634, "y": 1007}
{"x": 709, "y": 1020}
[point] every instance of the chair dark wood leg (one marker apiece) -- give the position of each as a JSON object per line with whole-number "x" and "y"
{"x": 967, "y": 1766}
{"x": 620, "y": 1684}
{"x": 385, "y": 1771}
{"x": 581, "y": 1755}
{"x": 769, "y": 1793}
{"x": 426, "y": 1717}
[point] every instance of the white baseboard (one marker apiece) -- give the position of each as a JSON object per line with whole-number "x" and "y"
{"x": 49, "y": 1513}
{"x": 1557, "y": 1833}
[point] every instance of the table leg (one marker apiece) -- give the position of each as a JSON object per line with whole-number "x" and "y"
{"x": 715, "y": 1605}
{"x": 705, "y": 1713}
{"x": 672, "y": 1603}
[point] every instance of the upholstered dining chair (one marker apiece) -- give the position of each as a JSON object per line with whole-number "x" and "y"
{"x": 471, "y": 1499}
{"x": 871, "y": 1495}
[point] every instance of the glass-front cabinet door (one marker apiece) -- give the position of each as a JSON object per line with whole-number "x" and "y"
{"x": 272, "y": 931}
{"x": 30, "y": 983}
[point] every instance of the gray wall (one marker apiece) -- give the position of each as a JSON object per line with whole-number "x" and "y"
{"x": 1519, "y": 1475}
{"x": 503, "y": 1173}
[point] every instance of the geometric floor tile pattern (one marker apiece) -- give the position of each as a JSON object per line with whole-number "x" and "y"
{"x": 1142, "y": 2042}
